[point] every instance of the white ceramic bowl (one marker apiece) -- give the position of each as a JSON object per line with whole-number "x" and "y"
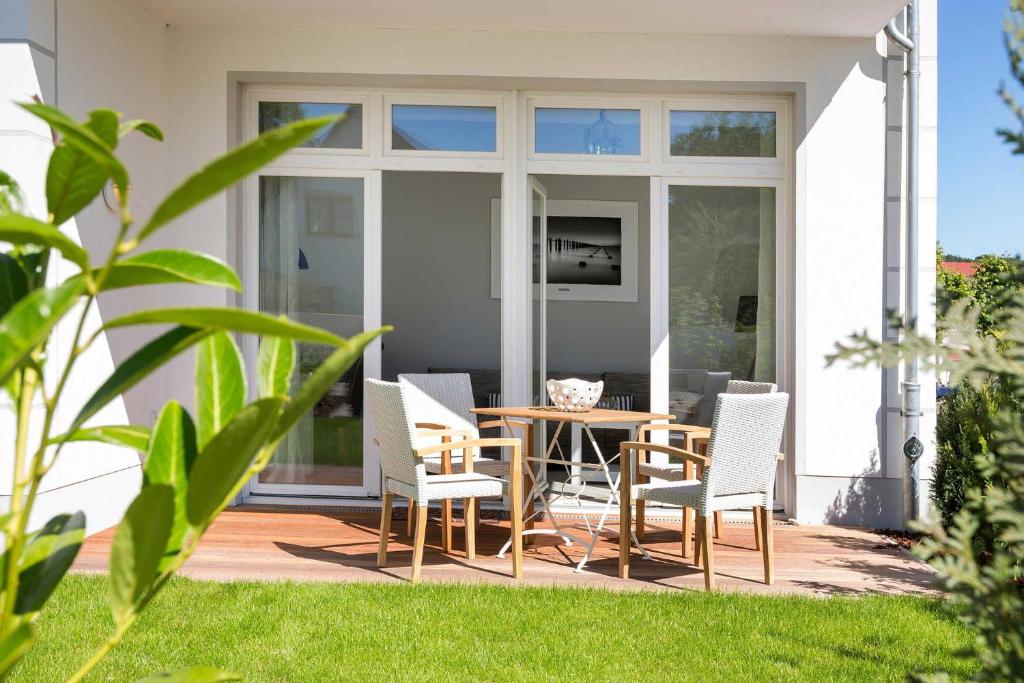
{"x": 574, "y": 395}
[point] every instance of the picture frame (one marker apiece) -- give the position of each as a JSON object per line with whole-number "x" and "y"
{"x": 592, "y": 253}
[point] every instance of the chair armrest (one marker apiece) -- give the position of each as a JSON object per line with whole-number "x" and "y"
{"x": 513, "y": 424}
{"x": 430, "y": 425}
{"x": 689, "y": 429}
{"x": 464, "y": 433}
{"x": 627, "y": 446}
{"x": 470, "y": 443}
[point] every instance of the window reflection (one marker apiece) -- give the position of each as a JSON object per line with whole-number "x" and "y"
{"x": 722, "y": 133}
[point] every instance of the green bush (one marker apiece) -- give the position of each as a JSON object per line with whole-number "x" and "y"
{"x": 962, "y": 434}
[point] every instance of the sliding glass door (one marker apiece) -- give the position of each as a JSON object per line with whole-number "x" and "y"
{"x": 719, "y": 269}
{"x": 312, "y": 259}
{"x": 721, "y": 291}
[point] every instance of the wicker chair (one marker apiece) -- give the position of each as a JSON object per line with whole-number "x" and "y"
{"x": 739, "y": 472}
{"x": 405, "y": 474}
{"x": 442, "y": 403}
{"x": 694, "y": 438}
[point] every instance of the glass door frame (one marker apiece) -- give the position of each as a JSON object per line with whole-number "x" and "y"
{"x": 371, "y": 315}
{"x": 660, "y": 311}
{"x": 539, "y": 337}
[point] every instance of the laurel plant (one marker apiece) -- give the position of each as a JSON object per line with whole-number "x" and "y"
{"x": 193, "y": 466}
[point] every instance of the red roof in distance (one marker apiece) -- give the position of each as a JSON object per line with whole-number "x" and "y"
{"x": 966, "y": 268}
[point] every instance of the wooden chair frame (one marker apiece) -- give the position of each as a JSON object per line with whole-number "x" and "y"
{"x": 515, "y": 493}
{"x": 704, "y": 550}
{"x": 445, "y": 433}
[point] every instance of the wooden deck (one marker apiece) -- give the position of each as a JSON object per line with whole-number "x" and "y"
{"x": 335, "y": 545}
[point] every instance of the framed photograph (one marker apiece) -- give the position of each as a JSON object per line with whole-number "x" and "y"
{"x": 590, "y": 251}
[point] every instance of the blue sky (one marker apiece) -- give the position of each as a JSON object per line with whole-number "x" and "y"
{"x": 981, "y": 185}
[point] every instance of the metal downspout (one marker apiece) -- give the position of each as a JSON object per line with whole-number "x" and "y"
{"x": 913, "y": 447}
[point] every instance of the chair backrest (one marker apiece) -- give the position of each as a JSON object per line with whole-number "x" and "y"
{"x": 744, "y": 445}
{"x": 716, "y": 383}
{"x": 393, "y": 430}
{"x": 738, "y": 386}
{"x": 445, "y": 399}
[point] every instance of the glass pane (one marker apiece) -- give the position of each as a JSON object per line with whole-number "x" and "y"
{"x": 722, "y": 133}
{"x": 444, "y": 128}
{"x": 347, "y": 133}
{"x": 539, "y": 239}
{"x": 450, "y": 323}
{"x": 721, "y": 294}
{"x": 311, "y": 269}
{"x": 587, "y": 131}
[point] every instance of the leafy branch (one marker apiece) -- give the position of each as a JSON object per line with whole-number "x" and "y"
{"x": 192, "y": 469}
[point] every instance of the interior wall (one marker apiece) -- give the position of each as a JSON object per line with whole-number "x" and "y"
{"x": 437, "y": 272}
{"x": 603, "y": 336}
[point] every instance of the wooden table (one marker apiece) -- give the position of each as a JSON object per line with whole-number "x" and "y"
{"x": 554, "y": 455}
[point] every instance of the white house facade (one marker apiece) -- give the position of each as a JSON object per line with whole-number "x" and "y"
{"x": 660, "y": 195}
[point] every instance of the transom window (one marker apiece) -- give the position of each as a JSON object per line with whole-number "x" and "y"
{"x": 346, "y": 133}
{"x": 722, "y": 133}
{"x": 592, "y": 131}
{"x": 446, "y": 128}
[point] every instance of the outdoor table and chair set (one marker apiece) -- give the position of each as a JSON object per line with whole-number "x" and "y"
{"x": 427, "y": 431}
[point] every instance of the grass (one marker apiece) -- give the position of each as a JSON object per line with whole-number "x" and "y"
{"x": 334, "y": 632}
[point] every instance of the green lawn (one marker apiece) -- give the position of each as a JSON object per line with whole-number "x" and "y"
{"x": 331, "y": 632}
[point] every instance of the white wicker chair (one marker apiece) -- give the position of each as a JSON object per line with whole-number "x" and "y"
{"x": 693, "y": 439}
{"x": 405, "y": 474}
{"x": 739, "y": 472}
{"x": 441, "y": 406}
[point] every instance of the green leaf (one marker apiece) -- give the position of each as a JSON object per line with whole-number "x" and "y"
{"x": 18, "y": 229}
{"x": 47, "y": 557}
{"x": 12, "y": 200}
{"x": 138, "y": 548}
{"x": 171, "y": 265}
{"x": 223, "y": 465}
{"x": 322, "y": 379}
{"x": 198, "y": 674}
{"x": 15, "y": 645}
{"x": 28, "y": 323}
{"x": 13, "y": 283}
{"x": 277, "y": 362}
{"x": 171, "y": 453}
{"x": 82, "y": 138}
{"x": 138, "y": 366}
{"x": 135, "y": 437}
{"x": 232, "y": 167}
{"x": 73, "y": 179}
{"x": 147, "y": 128}
{"x": 220, "y": 384}
{"x": 230, "y": 319}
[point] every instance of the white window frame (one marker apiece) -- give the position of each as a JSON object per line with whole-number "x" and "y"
{"x": 444, "y": 100}
{"x": 778, "y": 106}
{"x": 515, "y": 160}
{"x": 256, "y": 95}
{"x": 641, "y": 105}
{"x": 660, "y": 303}
{"x": 371, "y": 314}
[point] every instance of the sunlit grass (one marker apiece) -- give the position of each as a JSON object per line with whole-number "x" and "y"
{"x": 332, "y": 632}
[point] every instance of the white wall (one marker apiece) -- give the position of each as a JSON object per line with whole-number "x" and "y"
{"x": 837, "y": 199}
{"x": 80, "y": 56}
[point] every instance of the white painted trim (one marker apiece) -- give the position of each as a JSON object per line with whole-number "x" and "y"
{"x": 516, "y": 163}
